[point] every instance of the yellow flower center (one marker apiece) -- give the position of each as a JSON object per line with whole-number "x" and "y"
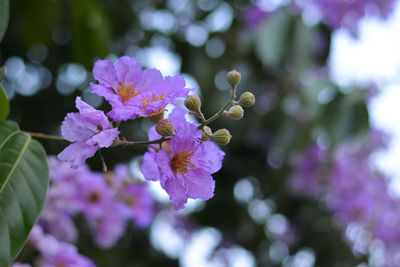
{"x": 127, "y": 91}
{"x": 180, "y": 162}
{"x": 151, "y": 99}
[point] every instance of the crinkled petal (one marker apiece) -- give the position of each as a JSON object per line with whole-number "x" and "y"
{"x": 208, "y": 156}
{"x": 162, "y": 158}
{"x": 199, "y": 184}
{"x": 153, "y": 81}
{"x": 91, "y": 114}
{"x": 104, "y": 72}
{"x": 176, "y": 86}
{"x": 75, "y": 128}
{"x": 149, "y": 167}
{"x": 177, "y": 117}
{"x": 128, "y": 70}
{"x": 77, "y": 153}
{"x": 124, "y": 113}
{"x": 176, "y": 191}
{"x": 105, "y": 138}
{"x": 113, "y": 98}
{"x": 185, "y": 136}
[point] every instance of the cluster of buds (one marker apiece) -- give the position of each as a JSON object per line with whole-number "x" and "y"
{"x": 235, "y": 111}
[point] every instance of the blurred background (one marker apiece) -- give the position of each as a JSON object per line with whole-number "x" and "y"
{"x": 311, "y": 176}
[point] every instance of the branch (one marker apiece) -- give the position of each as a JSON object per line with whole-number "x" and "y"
{"x": 219, "y": 113}
{"x": 139, "y": 143}
{"x": 46, "y": 136}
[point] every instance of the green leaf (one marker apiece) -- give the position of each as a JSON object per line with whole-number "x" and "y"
{"x": 4, "y": 11}
{"x": 24, "y": 179}
{"x": 4, "y": 106}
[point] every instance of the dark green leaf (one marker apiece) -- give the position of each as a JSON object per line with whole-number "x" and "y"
{"x": 4, "y": 106}
{"x": 24, "y": 179}
{"x": 4, "y": 10}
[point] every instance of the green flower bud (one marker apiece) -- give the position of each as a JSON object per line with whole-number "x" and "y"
{"x": 205, "y": 133}
{"x": 233, "y": 78}
{"x": 164, "y": 128}
{"x": 193, "y": 103}
{"x": 157, "y": 117}
{"x": 221, "y": 137}
{"x": 247, "y": 99}
{"x": 235, "y": 112}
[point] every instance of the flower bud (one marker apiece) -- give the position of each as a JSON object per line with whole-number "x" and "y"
{"x": 233, "y": 78}
{"x": 205, "y": 133}
{"x": 221, "y": 137}
{"x": 164, "y": 128}
{"x": 247, "y": 99}
{"x": 157, "y": 116}
{"x": 235, "y": 112}
{"x": 193, "y": 103}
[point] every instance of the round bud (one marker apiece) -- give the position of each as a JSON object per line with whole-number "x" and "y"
{"x": 193, "y": 103}
{"x": 157, "y": 116}
{"x": 221, "y": 137}
{"x": 164, "y": 128}
{"x": 236, "y": 112}
{"x": 233, "y": 78}
{"x": 205, "y": 133}
{"x": 247, "y": 99}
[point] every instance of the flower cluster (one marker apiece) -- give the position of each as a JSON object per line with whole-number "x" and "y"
{"x": 54, "y": 252}
{"x": 353, "y": 190}
{"x": 335, "y": 13}
{"x": 180, "y": 154}
{"x": 107, "y": 201}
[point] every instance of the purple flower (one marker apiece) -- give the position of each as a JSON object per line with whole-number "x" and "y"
{"x": 89, "y": 130}
{"x": 133, "y": 92}
{"x": 109, "y": 225}
{"x": 347, "y": 14}
{"x": 141, "y": 203}
{"x": 56, "y": 253}
{"x": 92, "y": 195}
{"x": 184, "y": 168}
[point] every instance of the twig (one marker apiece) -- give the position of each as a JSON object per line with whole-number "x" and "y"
{"x": 46, "y": 136}
{"x": 219, "y": 113}
{"x": 139, "y": 143}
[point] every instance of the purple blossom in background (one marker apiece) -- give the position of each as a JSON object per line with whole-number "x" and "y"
{"x": 109, "y": 225}
{"x": 56, "y": 253}
{"x": 254, "y": 16}
{"x": 107, "y": 202}
{"x": 353, "y": 190}
{"x": 184, "y": 168}
{"x": 140, "y": 202}
{"x": 134, "y": 92}
{"x": 89, "y": 130}
{"x": 347, "y": 14}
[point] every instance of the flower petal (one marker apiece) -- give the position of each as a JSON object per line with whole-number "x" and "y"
{"x": 75, "y": 128}
{"x": 77, "y": 153}
{"x": 105, "y": 138}
{"x": 91, "y": 114}
{"x": 176, "y": 192}
{"x": 199, "y": 184}
{"x": 208, "y": 156}
{"x": 104, "y": 72}
{"x": 128, "y": 70}
{"x": 149, "y": 167}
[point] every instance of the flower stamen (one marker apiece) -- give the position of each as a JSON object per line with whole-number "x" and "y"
{"x": 151, "y": 99}
{"x": 181, "y": 163}
{"x": 127, "y": 91}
